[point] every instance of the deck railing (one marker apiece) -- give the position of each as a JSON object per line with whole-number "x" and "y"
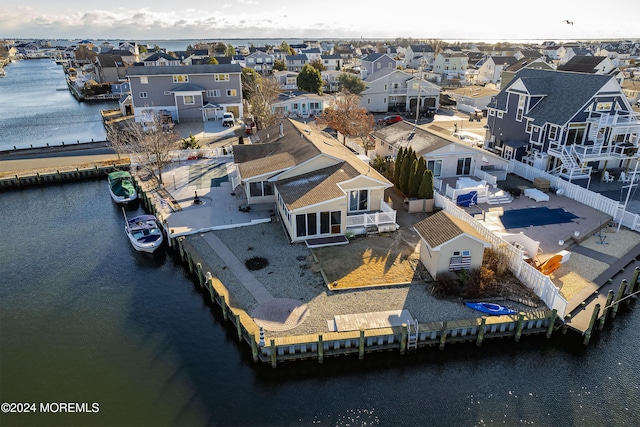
{"x": 386, "y": 215}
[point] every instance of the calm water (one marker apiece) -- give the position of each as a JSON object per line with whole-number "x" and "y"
{"x": 36, "y": 108}
{"x": 85, "y": 318}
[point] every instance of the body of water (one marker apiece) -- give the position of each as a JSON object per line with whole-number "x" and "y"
{"x": 84, "y": 318}
{"x": 36, "y": 108}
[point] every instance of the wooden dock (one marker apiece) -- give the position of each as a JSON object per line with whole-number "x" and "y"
{"x": 604, "y": 291}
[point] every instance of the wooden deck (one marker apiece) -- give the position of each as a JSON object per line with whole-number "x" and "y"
{"x": 597, "y": 293}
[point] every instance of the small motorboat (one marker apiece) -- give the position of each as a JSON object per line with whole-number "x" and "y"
{"x": 121, "y": 187}
{"x": 143, "y": 232}
{"x": 490, "y": 308}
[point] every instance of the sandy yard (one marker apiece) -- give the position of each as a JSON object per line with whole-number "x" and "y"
{"x": 580, "y": 270}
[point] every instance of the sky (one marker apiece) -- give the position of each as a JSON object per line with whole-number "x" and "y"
{"x": 489, "y": 20}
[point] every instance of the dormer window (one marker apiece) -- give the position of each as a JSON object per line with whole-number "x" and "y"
{"x": 520, "y": 112}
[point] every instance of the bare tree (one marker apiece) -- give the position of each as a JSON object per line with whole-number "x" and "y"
{"x": 349, "y": 118}
{"x": 261, "y": 94}
{"x": 151, "y": 141}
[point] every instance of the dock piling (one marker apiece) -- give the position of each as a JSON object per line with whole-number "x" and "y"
{"x": 481, "y": 329}
{"x": 403, "y": 339}
{"x": 320, "y": 349}
{"x": 605, "y": 311}
{"x": 594, "y": 316}
{"x": 519, "y": 325}
{"x": 552, "y": 322}
{"x": 616, "y": 304}
{"x": 443, "y": 335}
{"x": 361, "y": 345}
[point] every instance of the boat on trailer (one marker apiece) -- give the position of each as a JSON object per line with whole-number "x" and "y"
{"x": 121, "y": 187}
{"x": 143, "y": 232}
{"x": 490, "y": 308}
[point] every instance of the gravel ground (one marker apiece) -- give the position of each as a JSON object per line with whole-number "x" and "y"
{"x": 291, "y": 274}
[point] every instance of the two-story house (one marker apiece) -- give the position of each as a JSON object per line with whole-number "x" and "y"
{"x": 320, "y": 188}
{"x": 451, "y": 65}
{"x": 296, "y": 62}
{"x": 188, "y": 93}
{"x": 396, "y": 90}
{"x": 109, "y": 68}
{"x": 330, "y": 78}
{"x": 491, "y": 69}
{"x": 161, "y": 59}
{"x": 287, "y": 80}
{"x": 331, "y": 62}
{"x": 260, "y": 61}
{"x": 419, "y": 55}
{"x": 375, "y": 62}
{"x": 565, "y": 123}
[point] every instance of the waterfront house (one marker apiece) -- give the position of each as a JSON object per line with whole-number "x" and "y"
{"x": 188, "y": 92}
{"x": 109, "y": 68}
{"x": 564, "y": 123}
{"x": 449, "y": 244}
{"x": 320, "y": 188}
{"x": 390, "y": 89}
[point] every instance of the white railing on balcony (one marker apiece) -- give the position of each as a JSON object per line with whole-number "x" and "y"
{"x": 386, "y": 215}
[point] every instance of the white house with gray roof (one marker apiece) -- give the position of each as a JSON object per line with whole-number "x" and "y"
{"x": 189, "y": 92}
{"x": 391, "y": 89}
{"x": 321, "y": 189}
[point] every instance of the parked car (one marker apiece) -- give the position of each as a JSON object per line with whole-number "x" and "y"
{"x": 388, "y": 120}
{"x": 228, "y": 120}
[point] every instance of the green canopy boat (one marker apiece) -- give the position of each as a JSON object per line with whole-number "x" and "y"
{"x": 121, "y": 187}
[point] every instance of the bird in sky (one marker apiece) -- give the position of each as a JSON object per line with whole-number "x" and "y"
{"x": 566, "y": 21}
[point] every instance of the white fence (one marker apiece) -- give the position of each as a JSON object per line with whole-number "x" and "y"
{"x": 579, "y": 194}
{"x": 540, "y": 284}
{"x": 387, "y": 215}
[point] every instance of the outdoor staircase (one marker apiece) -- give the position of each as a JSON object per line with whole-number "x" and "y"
{"x": 570, "y": 168}
{"x": 499, "y": 197}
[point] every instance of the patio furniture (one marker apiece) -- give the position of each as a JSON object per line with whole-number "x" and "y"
{"x": 607, "y": 177}
{"x": 537, "y": 195}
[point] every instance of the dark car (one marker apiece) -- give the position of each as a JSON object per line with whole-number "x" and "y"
{"x": 388, "y": 120}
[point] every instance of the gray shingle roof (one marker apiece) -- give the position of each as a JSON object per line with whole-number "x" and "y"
{"x": 404, "y": 134}
{"x": 184, "y": 69}
{"x": 441, "y": 228}
{"x": 563, "y": 93}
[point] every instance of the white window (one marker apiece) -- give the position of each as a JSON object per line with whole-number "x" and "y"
{"x": 231, "y": 92}
{"x": 221, "y": 77}
{"x": 180, "y": 78}
{"x": 144, "y": 95}
{"x": 520, "y": 112}
{"x": 500, "y": 114}
{"x": 435, "y": 166}
{"x": 144, "y": 80}
{"x": 212, "y": 93}
{"x": 553, "y": 132}
{"x": 189, "y": 100}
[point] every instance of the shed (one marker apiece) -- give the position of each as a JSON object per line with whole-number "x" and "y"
{"x": 448, "y": 244}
